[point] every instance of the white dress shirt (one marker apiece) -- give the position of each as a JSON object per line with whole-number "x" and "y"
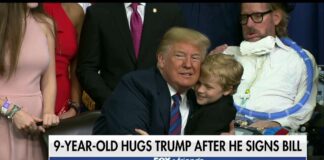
{"x": 129, "y": 11}
{"x": 279, "y": 84}
{"x": 84, "y": 6}
{"x": 184, "y": 107}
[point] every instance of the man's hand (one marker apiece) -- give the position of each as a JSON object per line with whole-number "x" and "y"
{"x": 262, "y": 124}
{"x": 218, "y": 49}
{"x": 141, "y": 132}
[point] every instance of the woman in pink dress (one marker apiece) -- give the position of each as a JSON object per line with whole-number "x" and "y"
{"x": 27, "y": 80}
{"x": 68, "y": 18}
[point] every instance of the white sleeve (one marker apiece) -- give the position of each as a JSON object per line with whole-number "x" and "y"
{"x": 305, "y": 113}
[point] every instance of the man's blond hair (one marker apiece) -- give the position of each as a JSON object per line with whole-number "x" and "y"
{"x": 186, "y": 35}
{"x": 282, "y": 27}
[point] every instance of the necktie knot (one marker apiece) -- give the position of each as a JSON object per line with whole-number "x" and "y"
{"x": 176, "y": 97}
{"x": 134, "y": 6}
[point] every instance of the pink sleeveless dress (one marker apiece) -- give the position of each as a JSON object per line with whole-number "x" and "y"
{"x": 23, "y": 89}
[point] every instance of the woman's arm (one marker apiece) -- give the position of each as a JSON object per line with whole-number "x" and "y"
{"x": 48, "y": 80}
{"x": 76, "y": 14}
{"x": 21, "y": 119}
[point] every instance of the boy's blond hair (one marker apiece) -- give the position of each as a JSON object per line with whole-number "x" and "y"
{"x": 225, "y": 68}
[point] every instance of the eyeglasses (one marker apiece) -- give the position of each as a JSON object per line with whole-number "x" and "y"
{"x": 256, "y": 17}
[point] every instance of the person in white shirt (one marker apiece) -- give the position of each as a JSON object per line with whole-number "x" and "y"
{"x": 275, "y": 76}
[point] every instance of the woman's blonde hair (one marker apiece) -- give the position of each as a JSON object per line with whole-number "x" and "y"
{"x": 12, "y": 30}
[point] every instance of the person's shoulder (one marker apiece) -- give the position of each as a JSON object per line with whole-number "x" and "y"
{"x": 42, "y": 18}
{"x": 288, "y": 53}
{"x": 286, "y": 50}
{"x": 140, "y": 75}
{"x": 104, "y": 6}
{"x": 229, "y": 102}
{"x": 222, "y": 102}
{"x": 166, "y": 6}
{"x": 314, "y": 64}
{"x": 75, "y": 9}
{"x": 228, "y": 99}
{"x": 224, "y": 105}
{"x": 310, "y": 55}
{"x": 143, "y": 81}
{"x": 46, "y": 23}
{"x": 75, "y": 13}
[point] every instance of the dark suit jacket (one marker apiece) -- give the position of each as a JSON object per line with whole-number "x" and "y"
{"x": 106, "y": 44}
{"x": 141, "y": 100}
{"x": 213, "y": 118}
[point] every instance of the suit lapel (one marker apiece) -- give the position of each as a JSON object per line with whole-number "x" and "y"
{"x": 120, "y": 18}
{"x": 148, "y": 27}
{"x": 164, "y": 99}
{"x": 191, "y": 98}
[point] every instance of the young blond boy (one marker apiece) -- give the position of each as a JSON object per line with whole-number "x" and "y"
{"x": 219, "y": 78}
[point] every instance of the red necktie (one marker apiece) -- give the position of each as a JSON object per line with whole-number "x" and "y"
{"x": 175, "y": 116}
{"x": 136, "y": 25}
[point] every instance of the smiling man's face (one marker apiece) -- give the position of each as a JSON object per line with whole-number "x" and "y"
{"x": 180, "y": 66}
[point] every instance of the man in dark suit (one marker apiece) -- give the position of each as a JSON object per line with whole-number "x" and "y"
{"x": 106, "y": 50}
{"x": 144, "y": 99}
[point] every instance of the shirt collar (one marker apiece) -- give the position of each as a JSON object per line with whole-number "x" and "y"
{"x": 281, "y": 45}
{"x": 128, "y": 4}
{"x": 173, "y": 92}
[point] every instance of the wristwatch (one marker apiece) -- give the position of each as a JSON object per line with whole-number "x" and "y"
{"x": 75, "y": 106}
